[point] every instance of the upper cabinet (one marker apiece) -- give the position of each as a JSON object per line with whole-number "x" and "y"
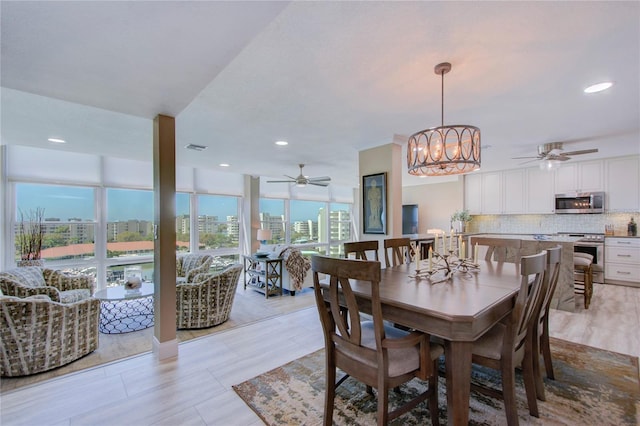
{"x": 473, "y": 193}
{"x": 539, "y": 191}
{"x": 496, "y": 192}
{"x": 623, "y": 188}
{"x": 585, "y": 176}
{"x": 532, "y": 190}
{"x": 492, "y": 193}
{"x": 513, "y": 191}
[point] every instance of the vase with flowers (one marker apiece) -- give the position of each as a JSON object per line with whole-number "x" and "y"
{"x": 459, "y": 220}
{"x": 29, "y": 237}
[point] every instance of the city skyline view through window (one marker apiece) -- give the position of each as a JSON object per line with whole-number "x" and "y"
{"x": 65, "y": 202}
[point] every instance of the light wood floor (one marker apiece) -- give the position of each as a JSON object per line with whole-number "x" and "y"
{"x": 195, "y": 388}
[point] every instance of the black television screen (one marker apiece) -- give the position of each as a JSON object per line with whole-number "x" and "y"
{"x": 410, "y": 219}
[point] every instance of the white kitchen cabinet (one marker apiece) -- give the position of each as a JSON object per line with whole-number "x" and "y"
{"x": 622, "y": 193}
{"x": 582, "y": 176}
{"x": 622, "y": 259}
{"x": 473, "y": 193}
{"x": 492, "y": 193}
{"x": 513, "y": 191}
{"x": 539, "y": 191}
{"x": 566, "y": 178}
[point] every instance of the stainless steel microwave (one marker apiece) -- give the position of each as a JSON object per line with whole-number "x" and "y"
{"x": 581, "y": 202}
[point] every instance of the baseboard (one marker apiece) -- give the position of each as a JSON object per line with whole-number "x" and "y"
{"x": 165, "y": 350}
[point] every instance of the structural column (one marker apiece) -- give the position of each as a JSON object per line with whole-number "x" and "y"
{"x": 165, "y": 343}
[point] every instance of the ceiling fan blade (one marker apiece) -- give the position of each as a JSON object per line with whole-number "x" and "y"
{"x": 291, "y": 177}
{"x": 281, "y": 181}
{"x": 522, "y": 158}
{"x": 318, "y": 183}
{"x": 530, "y": 161}
{"x": 583, "y": 151}
{"x": 319, "y": 179}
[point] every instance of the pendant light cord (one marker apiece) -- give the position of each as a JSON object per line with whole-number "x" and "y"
{"x": 442, "y": 99}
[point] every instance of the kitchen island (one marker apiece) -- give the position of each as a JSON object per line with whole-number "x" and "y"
{"x": 564, "y": 296}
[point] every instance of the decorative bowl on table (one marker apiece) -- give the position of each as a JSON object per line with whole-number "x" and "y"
{"x": 262, "y": 254}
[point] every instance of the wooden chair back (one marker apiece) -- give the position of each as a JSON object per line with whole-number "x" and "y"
{"x": 399, "y": 249}
{"x": 365, "y": 349}
{"x": 532, "y": 291}
{"x": 360, "y": 248}
{"x": 513, "y": 333}
{"x": 540, "y": 327}
{"x": 497, "y": 248}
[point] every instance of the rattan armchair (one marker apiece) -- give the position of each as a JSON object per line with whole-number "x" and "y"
{"x": 59, "y": 286}
{"x": 191, "y": 264}
{"x": 207, "y": 301}
{"x": 38, "y": 334}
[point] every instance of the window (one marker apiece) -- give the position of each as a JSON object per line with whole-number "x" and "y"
{"x": 116, "y": 273}
{"x": 304, "y": 219}
{"x": 339, "y": 227}
{"x": 68, "y": 214}
{"x": 129, "y": 223}
{"x": 218, "y": 225}
{"x": 183, "y": 222}
{"x": 272, "y": 217}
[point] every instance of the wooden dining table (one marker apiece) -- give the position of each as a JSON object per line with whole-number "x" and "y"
{"x": 458, "y": 310}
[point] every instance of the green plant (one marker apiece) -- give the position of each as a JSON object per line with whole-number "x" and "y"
{"x": 30, "y": 234}
{"x": 461, "y": 215}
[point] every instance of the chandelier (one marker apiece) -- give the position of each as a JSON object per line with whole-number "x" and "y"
{"x": 444, "y": 150}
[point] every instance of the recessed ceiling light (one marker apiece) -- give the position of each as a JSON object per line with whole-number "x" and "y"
{"x": 598, "y": 87}
{"x": 56, "y": 140}
{"x": 282, "y": 143}
{"x": 223, "y": 165}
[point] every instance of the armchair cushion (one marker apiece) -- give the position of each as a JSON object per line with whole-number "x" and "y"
{"x": 60, "y": 287}
{"x": 192, "y": 264}
{"x": 38, "y": 334}
{"x": 207, "y": 301}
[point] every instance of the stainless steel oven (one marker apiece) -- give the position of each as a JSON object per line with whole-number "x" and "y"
{"x": 594, "y": 245}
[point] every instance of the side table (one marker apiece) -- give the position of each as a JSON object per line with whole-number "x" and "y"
{"x": 122, "y": 311}
{"x": 263, "y": 273}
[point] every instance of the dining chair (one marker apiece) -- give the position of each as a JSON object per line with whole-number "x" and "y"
{"x": 540, "y": 328}
{"x": 375, "y": 354}
{"x": 498, "y": 248}
{"x": 583, "y": 266}
{"x": 360, "y": 248}
{"x": 400, "y": 250}
{"x": 505, "y": 345}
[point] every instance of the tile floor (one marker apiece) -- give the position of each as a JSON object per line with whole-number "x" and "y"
{"x": 195, "y": 388}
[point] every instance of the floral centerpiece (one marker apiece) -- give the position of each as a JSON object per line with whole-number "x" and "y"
{"x": 459, "y": 220}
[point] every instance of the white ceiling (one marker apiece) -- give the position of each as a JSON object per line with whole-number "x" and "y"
{"x": 332, "y": 78}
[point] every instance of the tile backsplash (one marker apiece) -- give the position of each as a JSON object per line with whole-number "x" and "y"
{"x": 551, "y": 223}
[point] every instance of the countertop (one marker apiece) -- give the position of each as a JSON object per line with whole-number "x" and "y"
{"x": 621, "y": 236}
{"x": 533, "y": 237}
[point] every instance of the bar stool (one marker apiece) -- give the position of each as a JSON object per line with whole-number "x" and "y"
{"x": 582, "y": 264}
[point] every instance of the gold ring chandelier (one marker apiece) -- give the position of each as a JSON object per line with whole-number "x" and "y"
{"x": 444, "y": 150}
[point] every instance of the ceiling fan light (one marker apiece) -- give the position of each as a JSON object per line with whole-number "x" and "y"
{"x": 550, "y": 165}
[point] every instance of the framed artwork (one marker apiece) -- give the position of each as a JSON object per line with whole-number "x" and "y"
{"x": 374, "y": 200}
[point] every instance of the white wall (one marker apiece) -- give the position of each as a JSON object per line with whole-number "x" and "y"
{"x": 436, "y": 203}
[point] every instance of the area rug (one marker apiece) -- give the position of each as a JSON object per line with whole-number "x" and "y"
{"x": 592, "y": 386}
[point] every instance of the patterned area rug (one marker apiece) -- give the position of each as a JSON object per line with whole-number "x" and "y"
{"x": 592, "y": 386}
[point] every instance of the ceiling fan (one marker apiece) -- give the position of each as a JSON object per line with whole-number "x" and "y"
{"x": 303, "y": 180}
{"x": 553, "y": 152}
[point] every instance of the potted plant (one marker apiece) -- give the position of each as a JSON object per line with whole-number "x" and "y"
{"x": 459, "y": 220}
{"x": 29, "y": 237}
